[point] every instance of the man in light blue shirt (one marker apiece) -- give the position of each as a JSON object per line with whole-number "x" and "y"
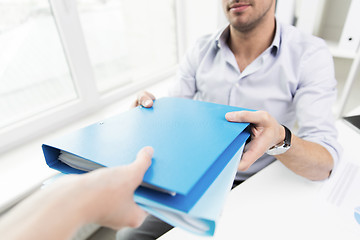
{"x": 292, "y": 79}
{"x": 288, "y": 76}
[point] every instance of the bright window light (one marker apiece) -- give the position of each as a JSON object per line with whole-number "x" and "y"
{"x": 128, "y": 40}
{"x": 34, "y": 74}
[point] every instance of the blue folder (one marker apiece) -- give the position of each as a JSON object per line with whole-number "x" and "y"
{"x": 203, "y": 216}
{"x": 193, "y": 143}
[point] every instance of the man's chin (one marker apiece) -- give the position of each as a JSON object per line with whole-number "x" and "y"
{"x": 242, "y": 26}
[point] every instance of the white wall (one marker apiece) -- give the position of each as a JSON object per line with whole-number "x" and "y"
{"x": 200, "y": 17}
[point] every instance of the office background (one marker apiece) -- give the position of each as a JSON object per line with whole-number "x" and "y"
{"x": 65, "y": 64}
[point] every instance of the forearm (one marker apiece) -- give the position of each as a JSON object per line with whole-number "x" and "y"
{"x": 104, "y": 196}
{"x": 54, "y": 213}
{"x": 308, "y": 159}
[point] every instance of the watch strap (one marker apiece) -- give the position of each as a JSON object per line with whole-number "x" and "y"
{"x": 287, "y": 140}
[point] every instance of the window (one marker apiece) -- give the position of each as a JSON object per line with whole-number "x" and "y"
{"x": 64, "y": 59}
{"x": 34, "y": 74}
{"x": 128, "y": 40}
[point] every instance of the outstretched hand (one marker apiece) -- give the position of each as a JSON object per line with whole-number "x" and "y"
{"x": 111, "y": 192}
{"x": 104, "y": 196}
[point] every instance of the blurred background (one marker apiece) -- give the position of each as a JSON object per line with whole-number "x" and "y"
{"x": 63, "y": 61}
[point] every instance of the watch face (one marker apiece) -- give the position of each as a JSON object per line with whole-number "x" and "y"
{"x": 277, "y": 150}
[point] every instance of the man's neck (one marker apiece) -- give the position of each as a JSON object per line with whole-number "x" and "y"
{"x": 247, "y": 46}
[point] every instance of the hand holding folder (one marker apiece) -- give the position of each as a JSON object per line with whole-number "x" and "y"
{"x": 196, "y": 154}
{"x": 103, "y": 197}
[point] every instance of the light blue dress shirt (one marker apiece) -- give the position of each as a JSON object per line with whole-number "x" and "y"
{"x": 293, "y": 80}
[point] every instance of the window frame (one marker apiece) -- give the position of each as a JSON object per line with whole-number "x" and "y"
{"x": 89, "y": 99}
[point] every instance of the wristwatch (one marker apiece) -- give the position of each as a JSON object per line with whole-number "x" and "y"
{"x": 284, "y": 146}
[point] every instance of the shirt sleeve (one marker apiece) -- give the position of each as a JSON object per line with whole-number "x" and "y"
{"x": 314, "y": 99}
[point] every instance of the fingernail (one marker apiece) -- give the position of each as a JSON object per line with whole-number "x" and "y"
{"x": 147, "y": 103}
{"x": 230, "y": 116}
{"x": 149, "y": 150}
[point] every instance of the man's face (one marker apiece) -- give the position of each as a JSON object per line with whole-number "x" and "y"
{"x": 244, "y": 15}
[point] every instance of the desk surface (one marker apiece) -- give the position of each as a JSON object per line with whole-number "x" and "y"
{"x": 278, "y": 204}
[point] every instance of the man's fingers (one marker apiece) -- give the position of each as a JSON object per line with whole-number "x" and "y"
{"x": 254, "y": 150}
{"x": 146, "y": 99}
{"x": 265, "y": 133}
{"x": 142, "y": 163}
{"x": 248, "y": 116}
{"x": 137, "y": 217}
{"x": 134, "y": 104}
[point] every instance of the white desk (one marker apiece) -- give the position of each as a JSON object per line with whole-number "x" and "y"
{"x": 278, "y": 204}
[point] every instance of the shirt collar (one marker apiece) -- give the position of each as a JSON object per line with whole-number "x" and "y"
{"x": 222, "y": 36}
{"x": 275, "y": 45}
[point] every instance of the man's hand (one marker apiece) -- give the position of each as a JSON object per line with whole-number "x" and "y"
{"x": 104, "y": 196}
{"x": 265, "y": 133}
{"x": 110, "y": 192}
{"x": 144, "y": 99}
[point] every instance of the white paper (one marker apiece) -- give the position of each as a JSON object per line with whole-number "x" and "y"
{"x": 341, "y": 193}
